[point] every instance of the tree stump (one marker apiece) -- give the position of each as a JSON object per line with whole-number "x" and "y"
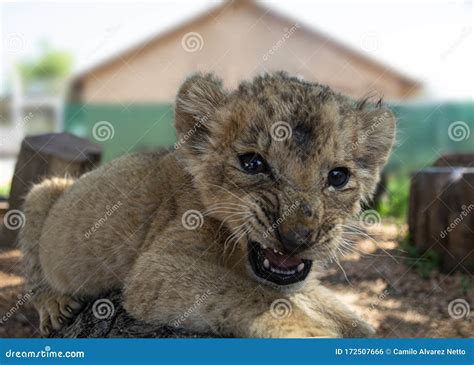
{"x": 456, "y": 160}
{"x": 441, "y": 215}
{"x": 55, "y": 154}
{"x": 106, "y": 318}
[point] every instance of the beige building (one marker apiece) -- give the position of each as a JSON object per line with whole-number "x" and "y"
{"x": 237, "y": 40}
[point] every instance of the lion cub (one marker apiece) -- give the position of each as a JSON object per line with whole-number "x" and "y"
{"x": 226, "y": 233}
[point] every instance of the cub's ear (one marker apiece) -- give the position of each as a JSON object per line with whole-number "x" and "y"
{"x": 375, "y": 137}
{"x": 196, "y": 102}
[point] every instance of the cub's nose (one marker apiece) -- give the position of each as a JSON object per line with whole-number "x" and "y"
{"x": 296, "y": 238}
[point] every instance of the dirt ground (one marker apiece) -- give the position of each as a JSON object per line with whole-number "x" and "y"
{"x": 379, "y": 281}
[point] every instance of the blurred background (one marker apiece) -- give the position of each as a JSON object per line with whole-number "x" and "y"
{"x": 108, "y": 72}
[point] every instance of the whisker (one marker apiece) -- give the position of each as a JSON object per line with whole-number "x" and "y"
{"x": 393, "y": 257}
{"x": 342, "y": 269}
{"x": 227, "y": 206}
{"x": 228, "y": 191}
{"x": 365, "y": 235}
{"x": 235, "y": 231}
{"x": 236, "y": 241}
{"x": 232, "y": 220}
{"x": 225, "y": 212}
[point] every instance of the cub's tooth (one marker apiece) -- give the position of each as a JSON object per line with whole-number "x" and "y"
{"x": 281, "y": 253}
{"x": 266, "y": 263}
{"x": 274, "y": 250}
{"x": 300, "y": 267}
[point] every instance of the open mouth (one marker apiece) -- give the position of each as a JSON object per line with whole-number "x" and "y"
{"x": 275, "y": 266}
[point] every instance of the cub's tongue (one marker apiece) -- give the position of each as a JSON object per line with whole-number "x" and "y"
{"x": 281, "y": 260}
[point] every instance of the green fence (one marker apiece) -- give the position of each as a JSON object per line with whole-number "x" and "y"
{"x": 427, "y": 131}
{"x": 424, "y": 131}
{"x": 122, "y": 129}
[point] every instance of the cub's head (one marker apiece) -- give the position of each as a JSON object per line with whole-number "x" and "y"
{"x": 282, "y": 163}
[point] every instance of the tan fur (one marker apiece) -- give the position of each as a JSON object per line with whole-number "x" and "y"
{"x": 121, "y": 226}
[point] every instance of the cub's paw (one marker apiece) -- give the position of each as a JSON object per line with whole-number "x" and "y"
{"x": 295, "y": 325}
{"x": 309, "y": 332}
{"x": 55, "y": 310}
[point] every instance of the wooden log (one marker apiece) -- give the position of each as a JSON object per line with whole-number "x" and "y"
{"x": 106, "y": 318}
{"x": 456, "y": 160}
{"x": 441, "y": 215}
{"x": 460, "y": 231}
{"x": 56, "y": 154}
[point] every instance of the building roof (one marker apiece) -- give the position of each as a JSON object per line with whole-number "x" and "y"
{"x": 214, "y": 12}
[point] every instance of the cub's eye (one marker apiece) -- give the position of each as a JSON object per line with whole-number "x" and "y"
{"x": 338, "y": 177}
{"x": 253, "y": 163}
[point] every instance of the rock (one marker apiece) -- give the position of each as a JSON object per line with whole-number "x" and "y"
{"x": 106, "y": 318}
